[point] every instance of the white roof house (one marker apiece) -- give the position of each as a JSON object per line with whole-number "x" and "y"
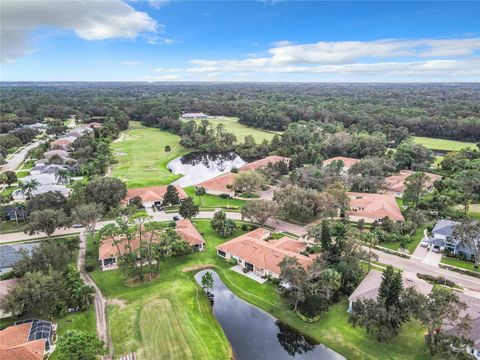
{"x": 42, "y": 179}
{"x": 42, "y": 189}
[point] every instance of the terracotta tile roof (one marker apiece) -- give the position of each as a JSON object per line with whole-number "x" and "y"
{"x": 264, "y": 162}
{"x": 370, "y": 285}
{"x": 263, "y": 254}
{"x": 347, "y": 162}
{"x": 185, "y": 229}
{"x": 14, "y": 344}
{"x": 63, "y": 141}
{"x": 374, "y": 206}
{"x": 188, "y": 232}
{"x": 151, "y": 194}
{"x": 396, "y": 183}
{"x": 220, "y": 182}
{"x": 289, "y": 244}
{"x": 94, "y": 125}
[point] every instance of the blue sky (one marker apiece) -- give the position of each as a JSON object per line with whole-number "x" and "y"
{"x": 159, "y": 40}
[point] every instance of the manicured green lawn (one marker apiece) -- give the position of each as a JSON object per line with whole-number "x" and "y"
{"x": 170, "y": 317}
{"x": 141, "y": 156}
{"x": 213, "y": 201}
{"x": 417, "y": 237}
{"x": 239, "y": 130}
{"x": 7, "y": 227}
{"x": 442, "y": 144}
{"x": 459, "y": 263}
{"x": 84, "y": 321}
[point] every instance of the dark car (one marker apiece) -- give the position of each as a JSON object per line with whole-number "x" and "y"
{"x": 176, "y": 218}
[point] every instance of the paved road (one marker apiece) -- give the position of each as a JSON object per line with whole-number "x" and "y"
{"x": 413, "y": 265}
{"x": 100, "y": 301}
{"x": 17, "y": 159}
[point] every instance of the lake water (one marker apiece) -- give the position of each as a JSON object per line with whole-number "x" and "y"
{"x": 200, "y": 166}
{"x": 256, "y": 335}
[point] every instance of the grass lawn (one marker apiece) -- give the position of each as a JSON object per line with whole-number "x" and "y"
{"x": 7, "y": 227}
{"x": 170, "y": 317}
{"x": 213, "y": 201}
{"x": 84, "y": 321}
{"x": 417, "y": 237}
{"x": 459, "y": 263}
{"x": 239, "y": 130}
{"x": 141, "y": 156}
{"x": 442, "y": 144}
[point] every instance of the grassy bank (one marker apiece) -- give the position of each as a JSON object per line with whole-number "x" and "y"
{"x": 417, "y": 237}
{"x": 141, "y": 156}
{"x": 459, "y": 263}
{"x": 442, "y": 144}
{"x": 213, "y": 201}
{"x": 189, "y": 330}
{"x": 239, "y": 130}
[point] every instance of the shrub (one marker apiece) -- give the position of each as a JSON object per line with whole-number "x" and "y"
{"x": 245, "y": 227}
{"x": 233, "y": 261}
{"x": 436, "y": 279}
{"x": 90, "y": 265}
{"x": 234, "y": 170}
{"x": 224, "y": 196}
{"x": 253, "y": 227}
{"x": 459, "y": 270}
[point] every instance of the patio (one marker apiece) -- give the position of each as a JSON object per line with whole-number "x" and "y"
{"x": 250, "y": 274}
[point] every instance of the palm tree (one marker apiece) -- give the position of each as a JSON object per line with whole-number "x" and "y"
{"x": 200, "y": 191}
{"x": 29, "y": 187}
{"x": 330, "y": 280}
{"x": 86, "y": 295}
{"x": 62, "y": 176}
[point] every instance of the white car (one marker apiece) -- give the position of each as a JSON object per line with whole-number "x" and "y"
{"x": 424, "y": 243}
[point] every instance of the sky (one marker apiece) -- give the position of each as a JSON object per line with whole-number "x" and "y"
{"x": 240, "y": 41}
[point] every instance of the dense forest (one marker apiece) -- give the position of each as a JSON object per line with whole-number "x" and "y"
{"x": 450, "y": 111}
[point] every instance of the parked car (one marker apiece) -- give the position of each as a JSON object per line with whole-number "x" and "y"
{"x": 424, "y": 243}
{"x": 176, "y": 218}
{"x": 76, "y": 226}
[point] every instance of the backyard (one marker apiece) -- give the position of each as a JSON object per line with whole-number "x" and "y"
{"x": 189, "y": 329}
{"x": 142, "y": 159}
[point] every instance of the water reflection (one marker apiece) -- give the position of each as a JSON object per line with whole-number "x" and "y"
{"x": 200, "y": 166}
{"x": 254, "y": 334}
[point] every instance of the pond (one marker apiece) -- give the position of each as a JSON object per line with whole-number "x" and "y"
{"x": 254, "y": 334}
{"x": 200, "y": 166}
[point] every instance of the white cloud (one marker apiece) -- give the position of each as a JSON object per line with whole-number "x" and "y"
{"x": 166, "y": 77}
{"x": 131, "y": 62}
{"x": 90, "y": 20}
{"x": 344, "y": 52}
{"x": 381, "y": 59}
{"x": 282, "y": 43}
{"x": 168, "y": 70}
{"x": 157, "y": 4}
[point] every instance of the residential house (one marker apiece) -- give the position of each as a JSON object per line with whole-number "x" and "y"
{"x": 152, "y": 195}
{"x": 473, "y": 332}
{"x": 222, "y": 183}
{"x": 42, "y": 179}
{"x": 395, "y": 184}
{"x": 26, "y": 340}
{"x": 188, "y": 232}
{"x": 94, "y": 125}
{"x": 346, "y": 162}
{"x": 108, "y": 252}
{"x": 63, "y": 143}
{"x": 14, "y": 212}
{"x": 61, "y": 153}
{"x": 194, "y": 116}
{"x": 369, "y": 287}
{"x": 371, "y": 207}
{"x": 442, "y": 239}
{"x": 11, "y": 253}
{"x": 47, "y": 169}
{"x": 42, "y": 189}
{"x": 254, "y": 253}
{"x": 36, "y": 126}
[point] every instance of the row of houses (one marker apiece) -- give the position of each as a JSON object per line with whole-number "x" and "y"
{"x": 394, "y": 184}
{"x": 45, "y": 173}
